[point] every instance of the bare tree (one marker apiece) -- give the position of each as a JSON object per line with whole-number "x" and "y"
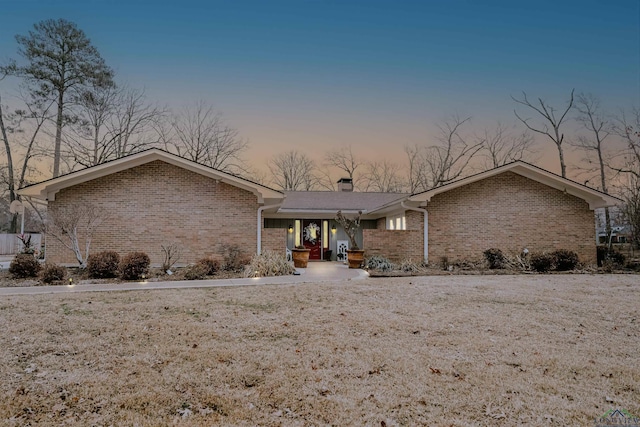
{"x": 628, "y": 165}
{"x": 417, "y": 176}
{"x": 198, "y": 133}
{"x": 74, "y": 227}
{"x": 631, "y": 208}
{"x": 20, "y": 145}
{"x": 628, "y": 128}
{"x": 350, "y": 227}
{"x": 599, "y": 128}
{"x": 344, "y": 160}
{"x": 551, "y": 124}
{"x": 134, "y": 124}
{"x": 445, "y": 162}
{"x": 383, "y": 177}
{"x": 87, "y": 139}
{"x": 293, "y": 171}
{"x": 502, "y": 145}
{"x": 171, "y": 254}
{"x": 113, "y": 123}
{"x": 59, "y": 58}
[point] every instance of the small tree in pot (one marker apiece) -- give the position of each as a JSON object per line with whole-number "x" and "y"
{"x": 355, "y": 255}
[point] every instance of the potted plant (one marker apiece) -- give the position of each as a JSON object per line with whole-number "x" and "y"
{"x": 300, "y": 256}
{"x": 355, "y": 255}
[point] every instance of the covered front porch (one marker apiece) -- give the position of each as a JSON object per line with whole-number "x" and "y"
{"x": 324, "y": 237}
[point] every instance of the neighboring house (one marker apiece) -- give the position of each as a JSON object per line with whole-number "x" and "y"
{"x": 620, "y": 235}
{"x": 155, "y": 198}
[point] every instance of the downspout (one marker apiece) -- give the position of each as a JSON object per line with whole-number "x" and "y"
{"x": 425, "y": 216}
{"x": 260, "y": 209}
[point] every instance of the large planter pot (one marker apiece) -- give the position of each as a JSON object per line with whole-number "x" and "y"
{"x": 300, "y": 257}
{"x": 355, "y": 258}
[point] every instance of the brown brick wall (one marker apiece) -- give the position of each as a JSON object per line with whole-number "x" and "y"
{"x": 414, "y": 220}
{"x": 397, "y": 245}
{"x": 158, "y": 203}
{"x": 274, "y": 239}
{"x": 394, "y": 244}
{"x": 509, "y": 212}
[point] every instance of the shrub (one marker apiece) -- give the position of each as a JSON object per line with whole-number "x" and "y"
{"x": 610, "y": 257}
{"x": 542, "y": 262}
{"x": 409, "y": 266}
{"x": 24, "y": 265}
{"x": 209, "y": 265}
{"x": 616, "y": 257}
{"x": 171, "y": 254}
{"x": 380, "y": 263}
{"x": 234, "y": 258}
{"x": 268, "y": 263}
{"x": 103, "y": 264}
{"x": 565, "y": 260}
{"x": 52, "y": 273}
{"x": 134, "y": 265}
{"x": 633, "y": 265}
{"x": 495, "y": 258}
{"x": 196, "y": 271}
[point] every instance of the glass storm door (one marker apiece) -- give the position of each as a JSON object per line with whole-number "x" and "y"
{"x": 312, "y": 237}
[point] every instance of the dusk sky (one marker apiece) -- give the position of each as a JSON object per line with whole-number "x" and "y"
{"x": 314, "y": 75}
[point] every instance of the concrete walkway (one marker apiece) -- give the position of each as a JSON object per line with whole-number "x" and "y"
{"x": 315, "y": 273}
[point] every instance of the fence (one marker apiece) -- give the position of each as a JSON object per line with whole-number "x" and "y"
{"x": 9, "y": 243}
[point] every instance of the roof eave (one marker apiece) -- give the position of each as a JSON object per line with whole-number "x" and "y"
{"x": 47, "y": 190}
{"x": 594, "y": 198}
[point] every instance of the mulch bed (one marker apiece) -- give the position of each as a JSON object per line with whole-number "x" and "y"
{"x": 79, "y": 277}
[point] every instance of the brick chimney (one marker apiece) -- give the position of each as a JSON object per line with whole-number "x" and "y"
{"x": 345, "y": 184}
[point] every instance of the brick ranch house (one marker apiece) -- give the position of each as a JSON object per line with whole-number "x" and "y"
{"x": 155, "y": 198}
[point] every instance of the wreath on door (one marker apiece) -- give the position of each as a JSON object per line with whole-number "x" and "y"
{"x": 311, "y": 233}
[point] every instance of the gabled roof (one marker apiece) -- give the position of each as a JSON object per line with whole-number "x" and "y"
{"x": 595, "y": 198}
{"x": 333, "y": 201}
{"x": 47, "y": 190}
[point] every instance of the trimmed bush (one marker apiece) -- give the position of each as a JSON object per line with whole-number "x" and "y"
{"x": 102, "y": 265}
{"x": 234, "y": 258}
{"x": 542, "y": 262}
{"x": 495, "y": 258}
{"x": 268, "y": 263}
{"x": 380, "y": 263}
{"x": 565, "y": 260}
{"x": 52, "y": 273}
{"x": 24, "y": 265}
{"x": 134, "y": 265}
{"x": 197, "y": 271}
{"x": 209, "y": 265}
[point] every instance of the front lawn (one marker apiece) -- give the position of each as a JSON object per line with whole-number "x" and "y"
{"x": 438, "y": 351}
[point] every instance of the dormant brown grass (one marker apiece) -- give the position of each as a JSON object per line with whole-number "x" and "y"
{"x": 439, "y": 351}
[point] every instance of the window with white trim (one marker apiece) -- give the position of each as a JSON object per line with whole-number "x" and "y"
{"x": 397, "y": 222}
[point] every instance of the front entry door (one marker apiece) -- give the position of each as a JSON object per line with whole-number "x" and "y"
{"x": 312, "y": 237}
